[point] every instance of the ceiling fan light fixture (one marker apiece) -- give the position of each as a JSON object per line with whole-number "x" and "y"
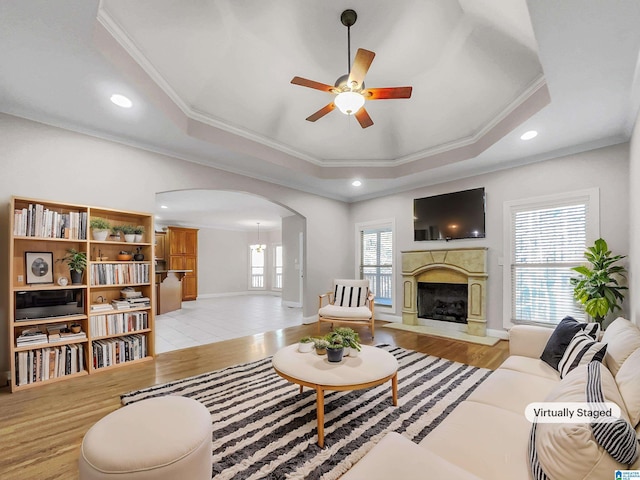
{"x": 349, "y": 102}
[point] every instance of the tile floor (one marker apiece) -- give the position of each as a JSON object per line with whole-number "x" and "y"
{"x": 212, "y": 320}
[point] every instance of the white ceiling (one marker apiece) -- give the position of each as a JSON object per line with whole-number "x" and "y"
{"x": 210, "y": 82}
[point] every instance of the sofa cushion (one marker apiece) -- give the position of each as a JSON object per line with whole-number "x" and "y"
{"x": 531, "y": 366}
{"x": 483, "y": 439}
{"x": 396, "y": 457}
{"x": 570, "y": 450}
{"x": 622, "y": 338}
{"x": 512, "y": 390}
{"x": 560, "y": 339}
{"x": 582, "y": 349}
{"x": 629, "y": 386}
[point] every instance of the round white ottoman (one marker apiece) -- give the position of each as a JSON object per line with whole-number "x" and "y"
{"x": 165, "y": 438}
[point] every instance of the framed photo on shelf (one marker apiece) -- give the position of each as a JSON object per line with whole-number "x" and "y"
{"x": 38, "y": 267}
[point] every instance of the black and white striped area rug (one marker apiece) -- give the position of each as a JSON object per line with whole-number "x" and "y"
{"x": 264, "y": 428}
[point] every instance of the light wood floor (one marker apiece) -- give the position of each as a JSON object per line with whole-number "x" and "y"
{"x": 41, "y": 429}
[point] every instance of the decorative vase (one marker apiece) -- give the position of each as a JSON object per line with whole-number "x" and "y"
{"x": 99, "y": 235}
{"x": 129, "y": 238}
{"x": 321, "y": 351}
{"x": 76, "y": 277}
{"x": 334, "y": 355}
{"x": 138, "y": 257}
{"x": 305, "y": 347}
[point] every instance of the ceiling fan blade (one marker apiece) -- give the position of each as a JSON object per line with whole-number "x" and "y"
{"x": 387, "y": 93}
{"x": 303, "y": 82}
{"x": 360, "y": 66}
{"x": 322, "y": 112}
{"x": 363, "y": 118}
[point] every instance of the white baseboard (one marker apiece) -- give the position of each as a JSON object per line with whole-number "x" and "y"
{"x": 289, "y": 304}
{"x": 239, "y": 294}
{"x": 310, "y": 320}
{"x": 387, "y": 317}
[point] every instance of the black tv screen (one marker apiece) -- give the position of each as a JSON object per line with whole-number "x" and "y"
{"x": 449, "y": 216}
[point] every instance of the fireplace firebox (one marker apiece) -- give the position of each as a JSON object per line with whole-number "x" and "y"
{"x": 443, "y": 301}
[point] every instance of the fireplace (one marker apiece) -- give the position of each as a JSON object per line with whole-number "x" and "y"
{"x": 446, "y": 287}
{"x": 443, "y": 301}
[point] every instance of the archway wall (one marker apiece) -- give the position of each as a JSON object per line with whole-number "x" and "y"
{"x": 40, "y": 161}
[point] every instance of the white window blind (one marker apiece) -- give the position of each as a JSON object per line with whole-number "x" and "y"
{"x": 376, "y": 262}
{"x": 546, "y": 243}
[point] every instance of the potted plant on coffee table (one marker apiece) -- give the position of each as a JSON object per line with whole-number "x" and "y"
{"x": 335, "y": 350}
{"x": 351, "y": 341}
{"x": 305, "y": 345}
{"x": 597, "y": 287}
{"x": 77, "y": 263}
{"x": 99, "y": 228}
{"x": 320, "y": 345}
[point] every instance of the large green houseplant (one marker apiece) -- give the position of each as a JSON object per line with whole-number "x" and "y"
{"x": 597, "y": 287}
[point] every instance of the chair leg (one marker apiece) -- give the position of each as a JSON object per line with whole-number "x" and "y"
{"x": 373, "y": 329}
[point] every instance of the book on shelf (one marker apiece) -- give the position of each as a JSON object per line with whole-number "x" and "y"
{"x": 130, "y": 293}
{"x": 120, "y": 304}
{"x": 97, "y": 307}
{"x": 66, "y": 336}
{"x": 36, "y": 220}
{"x": 30, "y": 336}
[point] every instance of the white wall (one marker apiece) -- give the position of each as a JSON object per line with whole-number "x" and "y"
{"x": 634, "y": 225}
{"x": 223, "y": 262}
{"x": 45, "y": 162}
{"x": 605, "y": 168}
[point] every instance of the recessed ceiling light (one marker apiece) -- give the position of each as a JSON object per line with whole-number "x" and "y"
{"x": 163, "y": 206}
{"x": 121, "y": 100}
{"x": 529, "y": 135}
{"x": 356, "y": 183}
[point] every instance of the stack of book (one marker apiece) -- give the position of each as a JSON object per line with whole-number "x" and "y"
{"x": 101, "y": 307}
{"x": 120, "y": 304}
{"x": 139, "y": 302}
{"x": 30, "y": 337}
{"x": 60, "y": 333}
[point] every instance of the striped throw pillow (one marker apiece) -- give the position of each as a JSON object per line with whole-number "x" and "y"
{"x": 582, "y": 349}
{"x": 350, "y": 296}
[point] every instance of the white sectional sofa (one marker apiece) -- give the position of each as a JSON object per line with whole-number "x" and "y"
{"x": 487, "y": 435}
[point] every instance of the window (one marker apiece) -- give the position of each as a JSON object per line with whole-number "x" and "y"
{"x": 544, "y": 239}
{"x": 277, "y": 268}
{"x": 376, "y": 261}
{"x": 256, "y": 266}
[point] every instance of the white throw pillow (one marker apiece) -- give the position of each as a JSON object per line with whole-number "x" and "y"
{"x": 570, "y": 450}
{"x": 622, "y": 338}
{"x": 628, "y": 380}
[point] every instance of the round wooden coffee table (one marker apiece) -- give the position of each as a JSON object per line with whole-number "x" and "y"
{"x": 373, "y": 366}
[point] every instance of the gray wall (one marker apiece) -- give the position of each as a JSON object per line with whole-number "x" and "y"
{"x": 40, "y": 161}
{"x": 606, "y": 168}
{"x": 292, "y": 227}
{"x": 634, "y": 225}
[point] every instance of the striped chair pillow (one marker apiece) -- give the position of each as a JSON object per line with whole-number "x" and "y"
{"x": 582, "y": 349}
{"x": 346, "y": 296}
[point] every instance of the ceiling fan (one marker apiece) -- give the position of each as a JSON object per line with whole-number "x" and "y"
{"x": 349, "y": 89}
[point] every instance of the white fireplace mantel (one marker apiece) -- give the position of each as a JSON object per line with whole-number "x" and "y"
{"x": 461, "y": 265}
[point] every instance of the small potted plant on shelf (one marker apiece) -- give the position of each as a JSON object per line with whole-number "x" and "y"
{"x": 351, "y": 340}
{"x": 77, "y": 263}
{"x": 99, "y": 228}
{"x": 305, "y": 345}
{"x": 124, "y": 256}
{"x": 138, "y": 232}
{"x": 129, "y": 233}
{"x": 115, "y": 233}
{"x": 321, "y": 346}
{"x": 335, "y": 350}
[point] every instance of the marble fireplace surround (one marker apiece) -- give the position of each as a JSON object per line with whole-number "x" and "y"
{"x": 460, "y": 265}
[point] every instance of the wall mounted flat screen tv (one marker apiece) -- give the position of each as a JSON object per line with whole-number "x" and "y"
{"x": 450, "y": 216}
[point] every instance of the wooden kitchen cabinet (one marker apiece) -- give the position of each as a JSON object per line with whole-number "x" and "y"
{"x": 183, "y": 255}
